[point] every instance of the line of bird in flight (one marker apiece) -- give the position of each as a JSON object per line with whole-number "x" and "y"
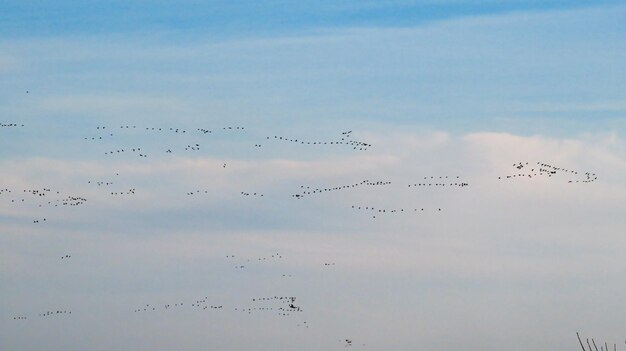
{"x": 283, "y": 306}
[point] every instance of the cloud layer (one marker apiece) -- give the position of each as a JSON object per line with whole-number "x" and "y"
{"x": 503, "y": 246}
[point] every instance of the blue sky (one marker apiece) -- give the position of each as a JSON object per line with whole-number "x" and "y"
{"x": 438, "y": 88}
{"x": 476, "y": 67}
{"x": 228, "y": 18}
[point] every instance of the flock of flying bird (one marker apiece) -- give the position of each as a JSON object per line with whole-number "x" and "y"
{"x": 440, "y": 181}
{"x": 40, "y": 198}
{"x": 46, "y": 314}
{"x": 200, "y": 304}
{"x": 309, "y": 191}
{"x": 280, "y": 305}
{"x": 345, "y": 140}
{"x": 385, "y": 211}
{"x": 105, "y": 134}
{"x": 247, "y": 262}
{"x": 541, "y": 169}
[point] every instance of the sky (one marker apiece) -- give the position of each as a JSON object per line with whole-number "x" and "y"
{"x": 232, "y": 114}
